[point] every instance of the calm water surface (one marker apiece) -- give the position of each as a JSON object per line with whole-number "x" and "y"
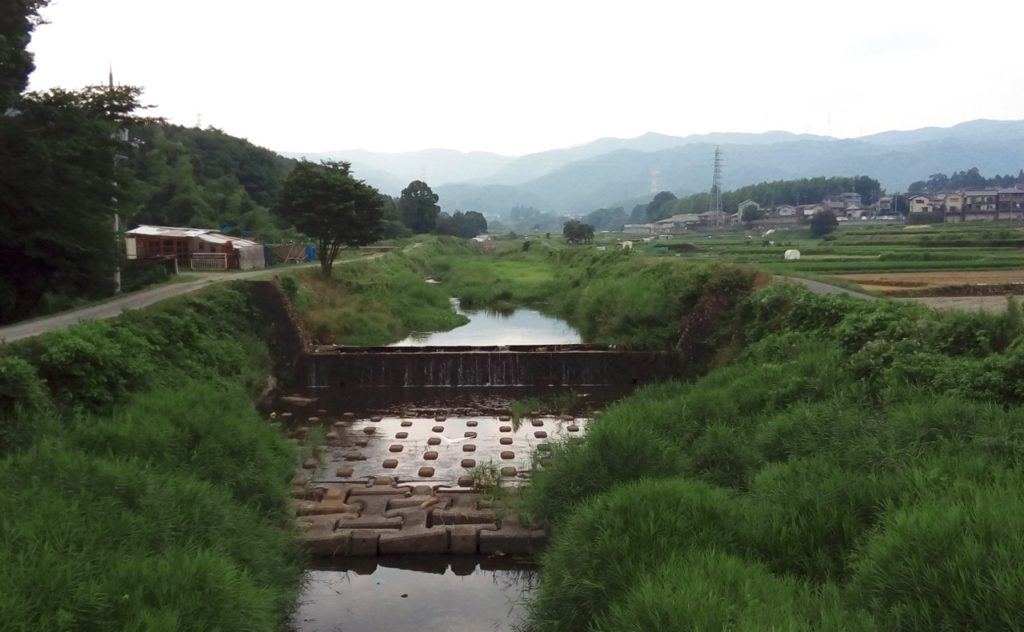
{"x": 485, "y": 328}
{"x": 423, "y": 595}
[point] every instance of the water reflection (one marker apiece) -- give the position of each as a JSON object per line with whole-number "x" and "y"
{"x": 457, "y": 594}
{"x": 496, "y": 327}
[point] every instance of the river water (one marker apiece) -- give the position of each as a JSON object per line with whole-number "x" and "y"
{"x": 490, "y": 328}
{"x": 424, "y": 594}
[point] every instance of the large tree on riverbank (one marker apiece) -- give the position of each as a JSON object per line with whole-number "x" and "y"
{"x": 327, "y": 203}
{"x": 419, "y": 207}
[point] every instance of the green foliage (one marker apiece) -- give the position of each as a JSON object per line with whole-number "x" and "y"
{"x": 418, "y": 205}
{"x": 465, "y": 225}
{"x": 801, "y": 191}
{"x": 148, "y": 493}
{"x": 576, "y": 232}
{"x": 823, "y": 223}
{"x": 327, "y": 203}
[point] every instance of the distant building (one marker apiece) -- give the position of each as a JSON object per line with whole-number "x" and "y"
{"x": 194, "y": 248}
{"x": 745, "y": 204}
{"x": 676, "y": 224}
{"x": 638, "y": 229}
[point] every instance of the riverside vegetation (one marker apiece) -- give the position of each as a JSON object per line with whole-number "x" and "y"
{"x": 833, "y": 464}
{"x": 142, "y": 491}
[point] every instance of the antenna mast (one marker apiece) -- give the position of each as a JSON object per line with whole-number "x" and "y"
{"x": 715, "y": 199}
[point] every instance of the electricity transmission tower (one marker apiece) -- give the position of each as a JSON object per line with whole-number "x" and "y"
{"x": 715, "y": 199}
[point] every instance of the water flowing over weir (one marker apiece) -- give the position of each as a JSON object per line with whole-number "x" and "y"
{"x": 520, "y": 365}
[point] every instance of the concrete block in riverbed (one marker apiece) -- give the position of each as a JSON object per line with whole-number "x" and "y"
{"x": 573, "y": 428}
{"x": 464, "y": 539}
{"x": 469, "y": 447}
{"x": 505, "y": 429}
{"x": 430, "y": 456}
{"x": 426, "y": 472}
{"x": 339, "y": 424}
{"x": 328, "y": 544}
{"x": 396, "y": 447}
{"x": 355, "y": 456}
{"x": 508, "y": 455}
{"x": 470, "y": 434}
{"x": 406, "y": 424}
{"x": 468, "y": 463}
{"x": 462, "y": 516}
{"x": 331, "y": 436}
{"x": 414, "y": 541}
{"x": 364, "y": 542}
{"x": 362, "y": 443}
{"x": 300, "y": 479}
{"x": 512, "y": 539}
{"x": 537, "y": 422}
{"x": 438, "y": 429}
{"x": 350, "y": 521}
{"x": 376, "y": 418}
{"x": 390, "y": 464}
{"x": 369, "y": 430}
{"x": 472, "y": 424}
{"x": 505, "y": 441}
{"x": 504, "y": 418}
{"x": 434, "y": 441}
{"x": 540, "y": 434}
{"x": 440, "y": 417}
{"x": 310, "y": 463}
{"x": 465, "y": 481}
{"x": 509, "y": 472}
{"x": 401, "y": 435}
{"x": 345, "y": 471}
{"x": 325, "y": 507}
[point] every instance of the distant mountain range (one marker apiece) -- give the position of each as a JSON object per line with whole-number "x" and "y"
{"x": 610, "y": 171}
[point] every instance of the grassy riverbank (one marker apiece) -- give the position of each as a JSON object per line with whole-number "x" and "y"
{"x": 854, "y": 469}
{"x": 142, "y": 490}
{"x": 610, "y": 297}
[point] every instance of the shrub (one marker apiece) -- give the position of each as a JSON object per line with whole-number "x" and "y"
{"x": 711, "y": 590}
{"x": 23, "y": 403}
{"x": 954, "y": 562}
{"x": 612, "y": 541}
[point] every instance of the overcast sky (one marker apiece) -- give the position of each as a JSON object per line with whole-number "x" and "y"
{"x": 520, "y": 76}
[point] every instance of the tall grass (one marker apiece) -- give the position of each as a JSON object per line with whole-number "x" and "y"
{"x": 141, "y": 489}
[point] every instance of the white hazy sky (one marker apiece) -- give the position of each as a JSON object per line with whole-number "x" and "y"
{"x": 521, "y": 76}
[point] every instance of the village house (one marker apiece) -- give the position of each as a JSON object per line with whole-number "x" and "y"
{"x": 194, "y": 248}
{"x": 676, "y": 224}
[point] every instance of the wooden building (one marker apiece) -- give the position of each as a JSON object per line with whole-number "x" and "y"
{"x": 194, "y": 248}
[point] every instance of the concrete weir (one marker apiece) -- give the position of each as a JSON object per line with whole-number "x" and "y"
{"x": 520, "y": 365}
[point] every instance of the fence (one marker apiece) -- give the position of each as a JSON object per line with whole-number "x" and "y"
{"x": 209, "y": 261}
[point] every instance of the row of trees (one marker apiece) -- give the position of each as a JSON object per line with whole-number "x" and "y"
{"x": 970, "y": 179}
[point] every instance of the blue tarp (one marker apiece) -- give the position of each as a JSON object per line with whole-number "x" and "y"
{"x": 310, "y": 253}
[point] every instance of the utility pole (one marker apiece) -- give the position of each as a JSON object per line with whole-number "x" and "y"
{"x": 715, "y": 199}
{"x": 122, "y": 135}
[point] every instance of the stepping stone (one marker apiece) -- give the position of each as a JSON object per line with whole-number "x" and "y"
{"x": 286, "y": 416}
{"x": 508, "y": 472}
{"x": 472, "y": 424}
{"x": 344, "y": 471}
{"x": 470, "y": 434}
{"x": 362, "y": 443}
{"x": 505, "y": 429}
{"x": 376, "y": 418}
{"x": 310, "y": 464}
{"x": 426, "y": 472}
{"x": 331, "y": 436}
{"x": 469, "y": 447}
{"x": 573, "y": 428}
{"x": 468, "y": 463}
{"x": 401, "y": 435}
{"x": 430, "y": 456}
{"x": 505, "y": 441}
{"x": 537, "y": 423}
{"x": 391, "y": 464}
{"x": 504, "y": 418}
{"x": 369, "y": 430}
{"x": 434, "y": 441}
{"x": 465, "y": 481}
{"x": 339, "y": 424}
{"x": 313, "y": 420}
{"x": 355, "y": 456}
{"x": 321, "y": 411}
{"x": 300, "y": 432}
{"x": 440, "y": 417}
{"x": 349, "y": 415}
{"x": 437, "y": 429}
{"x": 395, "y": 447}
{"x": 507, "y": 455}
{"x": 540, "y": 434}
{"x": 406, "y": 424}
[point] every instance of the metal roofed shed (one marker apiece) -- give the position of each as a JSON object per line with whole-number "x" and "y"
{"x": 194, "y": 248}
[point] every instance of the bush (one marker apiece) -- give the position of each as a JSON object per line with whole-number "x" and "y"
{"x": 711, "y": 590}
{"x": 954, "y": 562}
{"x": 612, "y": 541}
{"x": 23, "y": 404}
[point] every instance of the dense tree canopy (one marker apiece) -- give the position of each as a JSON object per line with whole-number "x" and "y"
{"x": 802, "y": 191}
{"x": 970, "y": 179}
{"x": 607, "y": 219}
{"x": 660, "y": 207}
{"x": 823, "y": 223}
{"x": 327, "y": 203}
{"x": 418, "y": 204}
{"x": 576, "y": 232}
{"x": 466, "y": 225}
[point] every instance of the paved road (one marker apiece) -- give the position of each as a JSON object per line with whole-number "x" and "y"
{"x": 824, "y": 288}
{"x": 116, "y": 306}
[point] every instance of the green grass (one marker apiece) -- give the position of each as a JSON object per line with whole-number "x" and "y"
{"x": 142, "y": 490}
{"x": 854, "y": 469}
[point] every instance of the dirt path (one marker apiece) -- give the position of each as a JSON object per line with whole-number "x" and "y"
{"x": 994, "y": 304}
{"x": 824, "y": 288}
{"x": 116, "y": 306}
